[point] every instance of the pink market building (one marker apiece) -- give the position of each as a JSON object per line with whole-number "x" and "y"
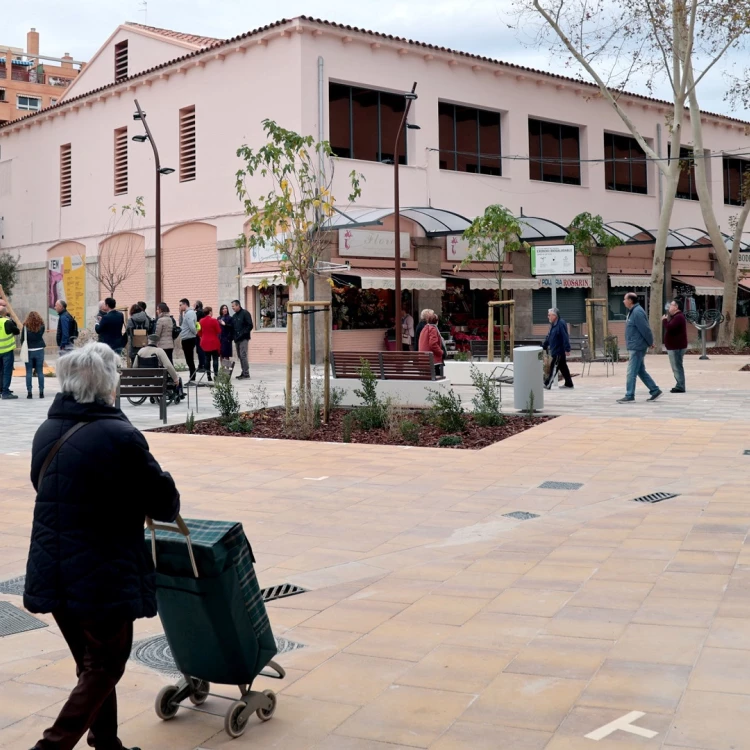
{"x": 543, "y": 145}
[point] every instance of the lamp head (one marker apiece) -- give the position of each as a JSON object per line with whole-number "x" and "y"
{"x": 166, "y": 170}
{"x": 139, "y": 115}
{"x": 140, "y": 138}
{"x": 412, "y": 127}
{"x": 410, "y": 95}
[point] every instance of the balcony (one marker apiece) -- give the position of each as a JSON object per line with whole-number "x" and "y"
{"x": 31, "y": 75}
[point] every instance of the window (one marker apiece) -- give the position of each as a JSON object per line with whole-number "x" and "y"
{"x": 554, "y": 152}
{"x": 570, "y": 302}
{"x": 121, "y": 161}
{"x": 616, "y": 306}
{"x": 625, "y": 164}
{"x": 271, "y": 305}
{"x": 2, "y": 95}
{"x": 29, "y": 103}
{"x": 735, "y": 175}
{"x": 364, "y": 123}
{"x": 52, "y": 102}
{"x": 66, "y": 177}
{"x": 121, "y": 60}
{"x": 469, "y": 139}
{"x": 686, "y": 184}
{"x": 187, "y": 144}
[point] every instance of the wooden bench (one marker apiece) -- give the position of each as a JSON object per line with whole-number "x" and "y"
{"x": 144, "y": 382}
{"x": 385, "y": 365}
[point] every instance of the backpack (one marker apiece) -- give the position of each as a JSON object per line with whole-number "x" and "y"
{"x": 73, "y": 329}
{"x": 175, "y": 329}
{"x": 151, "y": 325}
{"x": 139, "y": 335}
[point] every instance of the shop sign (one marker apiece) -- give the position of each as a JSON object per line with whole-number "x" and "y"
{"x": 567, "y": 282}
{"x": 457, "y": 249}
{"x": 743, "y": 260}
{"x": 371, "y": 243}
{"x": 268, "y": 252}
{"x": 66, "y": 280}
{"x": 553, "y": 260}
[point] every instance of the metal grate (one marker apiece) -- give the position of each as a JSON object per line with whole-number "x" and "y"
{"x": 13, "y": 586}
{"x": 281, "y": 591}
{"x": 655, "y": 497}
{"x": 560, "y": 485}
{"x": 746, "y": 453}
{"x": 521, "y": 515}
{"x": 14, "y": 620}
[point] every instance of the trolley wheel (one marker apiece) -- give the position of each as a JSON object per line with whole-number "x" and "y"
{"x": 164, "y": 707}
{"x": 265, "y": 714}
{"x": 233, "y": 724}
{"x": 151, "y": 400}
{"x": 198, "y": 698}
{"x": 136, "y": 401}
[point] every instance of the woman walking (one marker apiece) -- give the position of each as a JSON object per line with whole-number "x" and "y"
{"x": 165, "y": 325}
{"x": 209, "y": 335}
{"x": 32, "y": 350}
{"x": 227, "y": 334}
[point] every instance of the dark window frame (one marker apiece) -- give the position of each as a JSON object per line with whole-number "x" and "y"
{"x": 454, "y": 153}
{"x": 610, "y": 165}
{"x": 552, "y": 167}
{"x": 686, "y": 154}
{"x": 743, "y": 166}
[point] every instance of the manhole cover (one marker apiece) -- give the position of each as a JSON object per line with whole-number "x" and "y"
{"x": 521, "y": 515}
{"x": 281, "y": 591}
{"x": 14, "y": 620}
{"x": 655, "y": 497}
{"x": 156, "y": 654}
{"x": 13, "y": 586}
{"x": 560, "y": 485}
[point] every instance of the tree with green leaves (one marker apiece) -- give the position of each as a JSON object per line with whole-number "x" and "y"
{"x": 296, "y": 172}
{"x": 8, "y": 272}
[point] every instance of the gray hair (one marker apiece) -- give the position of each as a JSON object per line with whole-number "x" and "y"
{"x": 554, "y": 311}
{"x": 427, "y": 314}
{"x": 89, "y": 373}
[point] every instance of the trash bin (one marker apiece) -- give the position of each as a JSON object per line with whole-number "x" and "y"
{"x": 528, "y": 377}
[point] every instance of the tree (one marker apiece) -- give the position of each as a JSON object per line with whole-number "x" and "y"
{"x": 117, "y": 260}
{"x": 677, "y": 41}
{"x": 490, "y": 236}
{"x": 8, "y": 272}
{"x": 290, "y": 217}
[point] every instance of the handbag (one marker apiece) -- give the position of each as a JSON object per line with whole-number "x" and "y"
{"x": 25, "y": 346}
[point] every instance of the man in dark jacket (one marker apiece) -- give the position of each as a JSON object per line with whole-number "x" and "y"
{"x": 88, "y": 564}
{"x": 65, "y": 327}
{"x": 638, "y": 340}
{"x": 242, "y": 323}
{"x": 557, "y": 344}
{"x": 675, "y": 342}
{"x": 109, "y": 328}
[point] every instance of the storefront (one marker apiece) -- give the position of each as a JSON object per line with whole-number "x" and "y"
{"x": 266, "y": 297}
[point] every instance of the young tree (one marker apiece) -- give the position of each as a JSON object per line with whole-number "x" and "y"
{"x": 677, "y": 41}
{"x": 8, "y": 272}
{"x": 117, "y": 260}
{"x": 290, "y": 217}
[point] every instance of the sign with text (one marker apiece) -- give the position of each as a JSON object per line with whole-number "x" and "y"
{"x": 457, "y": 249}
{"x": 66, "y": 280}
{"x": 743, "y": 261}
{"x": 268, "y": 252}
{"x": 371, "y": 244}
{"x": 567, "y": 282}
{"x": 553, "y": 260}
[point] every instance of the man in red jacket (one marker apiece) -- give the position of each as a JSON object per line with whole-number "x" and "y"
{"x": 675, "y": 341}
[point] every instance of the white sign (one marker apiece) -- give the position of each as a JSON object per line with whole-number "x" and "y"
{"x": 623, "y": 724}
{"x": 457, "y": 248}
{"x": 268, "y": 252}
{"x": 553, "y": 260}
{"x": 371, "y": 244}
{"x": 743, "y": 260}
{"x": 582, "y": 281}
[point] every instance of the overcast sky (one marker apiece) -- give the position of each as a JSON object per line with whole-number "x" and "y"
{"x": 476, "y": 26}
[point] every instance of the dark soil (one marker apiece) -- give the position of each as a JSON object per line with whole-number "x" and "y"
{"x": 746, "y": 368}
{"x": 269, "y": 423}
{"x": 717, "y": 350}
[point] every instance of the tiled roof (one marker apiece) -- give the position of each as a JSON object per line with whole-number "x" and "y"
{"x": 199, "y": 41}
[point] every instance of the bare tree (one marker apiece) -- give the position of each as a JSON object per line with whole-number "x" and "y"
{"x": 611, "y": 42}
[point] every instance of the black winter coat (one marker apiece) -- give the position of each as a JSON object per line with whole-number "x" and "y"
{"x": 242, "y": 324}
{"x": 88, "y": 557}
{"x": 109, "y": 329}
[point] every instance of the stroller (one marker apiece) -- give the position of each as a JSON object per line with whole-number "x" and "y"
{"x": 214, "y": 618}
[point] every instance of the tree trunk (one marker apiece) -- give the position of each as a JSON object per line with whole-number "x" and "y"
{"x": 599, "y": 290}
{"x": 656, "y": 312}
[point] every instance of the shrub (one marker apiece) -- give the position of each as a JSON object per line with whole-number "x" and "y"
{"x": 190, "y": 423}
{"x": 226, "y": 398}
{"x": 409, "y": 431}
{"x": 530, "y": 405}
{"x": 446, "y": 410}
{"x": 336, "y": 397}
{"x": 486, "y": 401}
{"x": 449, "y": 441}
{"x": 348, "y": 426}
{"x": 462, "y": 356}
{"x": 240, "y": 425}
{"x": 373, "y": 413}
{"x": 258, "y": 398}
{"x": 180, "y": 366}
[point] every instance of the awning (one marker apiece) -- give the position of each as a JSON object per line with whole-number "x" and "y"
{"x": 634, "y": 282}
{"x": 385, "y": 278}
{"x": 629, "y": 233}
{"x": 436, "y": 222}
{"x": 269, "y": 278}
{"x": 744, "y": 284}
{"x": 488, "y": 280}
{"x": 534, "y": 229}
{"x": 703, "y": 285}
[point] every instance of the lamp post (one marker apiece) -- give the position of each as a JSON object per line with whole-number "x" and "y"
{"x": 141, "y": 115}
{"x": 410, "y": 97}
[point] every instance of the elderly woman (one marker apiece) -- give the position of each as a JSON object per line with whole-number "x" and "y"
{"x": 88, "y": 565}
{"x": 430, "y": 340}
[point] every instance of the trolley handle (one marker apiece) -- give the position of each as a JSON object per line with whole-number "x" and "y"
{"x": 178, "y": 527}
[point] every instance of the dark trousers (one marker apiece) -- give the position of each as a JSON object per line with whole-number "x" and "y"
{"x": 201, "y": 355}
{"x": 188, "y": 348}
{"x": 559, "y": 364}
{"x": 6, "y": 372}
{"x": 101, "y": 649}
{"x": 212, "y": 358}
{"x": 170, "y": 355}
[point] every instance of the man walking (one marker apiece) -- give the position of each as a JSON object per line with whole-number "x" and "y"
{"x": 188, "y": 334}
{"x": 109, "y": 328}
{"x": 557, "y": 344}
{"x": 638, "y": 339}
{"x": 8, "y": 332}
{"x": 242, "y": 323}
{"x": 66, "y": 327}
{"x": 675, "y": 342}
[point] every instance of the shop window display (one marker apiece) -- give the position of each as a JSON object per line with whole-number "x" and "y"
{"x": 361, "y": 308}
{"x": 271, "y": 307}
{"x": 465, "y": 313}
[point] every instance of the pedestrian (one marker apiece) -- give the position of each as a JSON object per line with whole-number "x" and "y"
{"x": 675, "y": 342}
{"x": 188, "y": 334}
{"x": 109, "y": 328}
{"x": 67, "y": 328}
{"x": 8, "y": 332}
{"x": 407, "y": 331}
{"x": 638, "y": 340}
{"x": 137, "y": 329}
{"x": 209, "y": 335}
{"x": 32, "y": 351}
{"x": 88, "y": 565}
{"x": 242, "y": 325}
{"x": 227, "y": 335}
{"x": 165, "y": 329}
{"x": 151, "y": 321}
{"x": 557, "y": 344}
{"x": 423, "y": 318}
{"x": 102, "y": 310}
{"x": 430, "y": 340}
{"x": 199, "y": 315}
{"x": 152, "y": 350}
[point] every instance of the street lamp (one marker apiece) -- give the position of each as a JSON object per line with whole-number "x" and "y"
{"x": 141, "y": 115}
{"x": 410, "y": 96}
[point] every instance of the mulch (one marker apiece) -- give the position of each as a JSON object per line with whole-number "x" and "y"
{"x": 746, "y": 368}
{"x": 269, "y": 423}
{"x": 717, "y": 350}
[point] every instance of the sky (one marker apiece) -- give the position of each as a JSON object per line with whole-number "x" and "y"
{"x": 475, "y": 26}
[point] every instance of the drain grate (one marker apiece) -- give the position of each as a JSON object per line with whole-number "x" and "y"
{"x": 14, "y": 620}
{"x": 156, "y": 654}
{"x": 521, "y": 515}
{"x": 560, "y": 485}
{"x": 655, "y": 497}
{"x": 281, "y": 591}
{"x": 13, "y": 586}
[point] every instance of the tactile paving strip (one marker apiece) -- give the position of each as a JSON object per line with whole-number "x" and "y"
{"x": 14, "y": 620}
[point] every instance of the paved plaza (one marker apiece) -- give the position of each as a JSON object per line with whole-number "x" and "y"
{"x": 434, "y": 620}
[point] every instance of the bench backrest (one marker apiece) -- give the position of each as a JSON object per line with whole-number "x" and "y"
{"x": 385, "y": 365}
{"x": 143, "y": 381}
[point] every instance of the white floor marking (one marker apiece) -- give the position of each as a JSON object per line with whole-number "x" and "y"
{"x": 315, "y": 479}
{"x": 624, "y": 724}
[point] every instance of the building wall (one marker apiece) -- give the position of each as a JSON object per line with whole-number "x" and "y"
{"x": 190, "y": 265}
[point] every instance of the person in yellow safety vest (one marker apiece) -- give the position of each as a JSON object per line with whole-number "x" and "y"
{"x": 8, "y": 332}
